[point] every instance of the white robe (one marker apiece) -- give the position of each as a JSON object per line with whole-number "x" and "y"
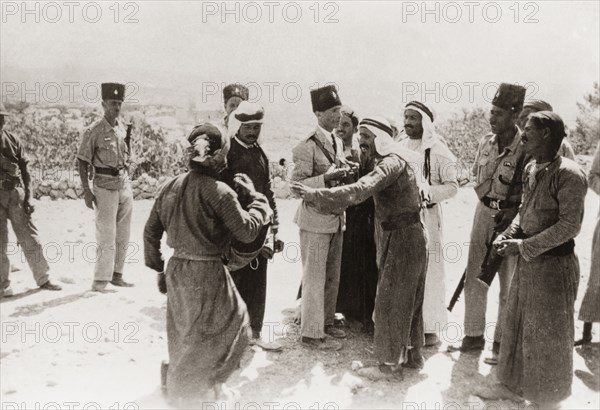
{"x": 444, "y": 185}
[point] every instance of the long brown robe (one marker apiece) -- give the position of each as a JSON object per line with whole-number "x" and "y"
{"x": 536, "y": 352}
{"x": 401, "y": 250}
{"x": 207, "y": 321}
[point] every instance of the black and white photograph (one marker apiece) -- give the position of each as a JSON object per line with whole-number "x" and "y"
{"x": 291, "y": 205}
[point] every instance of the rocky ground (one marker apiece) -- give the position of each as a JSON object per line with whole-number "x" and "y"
{"x": 77, "y": 349}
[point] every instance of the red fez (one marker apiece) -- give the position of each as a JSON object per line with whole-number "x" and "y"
{"x": 235, "y": 90}
{"x": 509, "y": 97}
{"x": 113, "y": 91}
{"x": 325, "y": 98}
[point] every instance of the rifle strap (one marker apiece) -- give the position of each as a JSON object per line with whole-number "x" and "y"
{"x": 427, "y": 168}
{"x": 513, "y": 181}
{"x": 322, "y": 148}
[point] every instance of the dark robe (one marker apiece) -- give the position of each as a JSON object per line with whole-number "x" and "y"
{"x": 207, "y": 321}
{"x": 358, "y": 276}
{"x": 536, "y": 351}
{"x": 251, "y": 280}
{"x": 401, "y": 249}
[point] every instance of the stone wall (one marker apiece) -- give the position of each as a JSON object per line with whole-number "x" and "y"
{"x": 145, "y": 187}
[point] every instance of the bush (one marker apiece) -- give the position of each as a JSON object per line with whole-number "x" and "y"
{"x": 587, "y": 129}
{"x": 52, "y": 144}
{"x": 463, "y": 131}
{"x": 154, "y": 155}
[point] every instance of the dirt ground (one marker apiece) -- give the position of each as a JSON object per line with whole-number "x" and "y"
{"x": 78, "y": 349}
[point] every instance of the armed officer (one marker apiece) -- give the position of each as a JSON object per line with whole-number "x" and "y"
{"x": 103, "y": 150}
{"x": 498, "y": 167}
{"x": 15, "y": 206}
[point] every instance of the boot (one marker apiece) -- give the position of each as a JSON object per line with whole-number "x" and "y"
{"x": 117, "y": 280}
{"x": 50, "y": 286}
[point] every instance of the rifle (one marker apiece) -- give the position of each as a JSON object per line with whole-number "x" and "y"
{"x": 491, "y": 262}
{"x": 128, "y": 137}
{"x": 128, "y": 145}
{"x": 458, "y": 291}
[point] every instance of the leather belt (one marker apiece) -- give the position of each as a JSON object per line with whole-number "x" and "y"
{"x": 498, "y": 204}
{"x": 190, "y": 256}
{"x": 565, "y": 249}
{"x": 110, "y": 171}
{"x": 401, "y": 221}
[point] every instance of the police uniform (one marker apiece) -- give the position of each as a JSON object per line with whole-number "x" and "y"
{"x": 321, "y": 235}
{"x": 12, "y": 195}
{"x": 498, "y": 187}
{"x": 104, "y": 148}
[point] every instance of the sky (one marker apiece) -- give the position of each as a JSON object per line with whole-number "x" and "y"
{"x": 379, "y": 54}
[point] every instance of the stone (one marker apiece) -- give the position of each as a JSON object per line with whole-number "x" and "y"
{"x": 54, "y": 194}
{"x": 147, "y": 195}
{"x": 71, "y": 194}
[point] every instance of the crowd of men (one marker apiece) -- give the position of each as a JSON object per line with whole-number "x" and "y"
{"x": 369, "y": 220}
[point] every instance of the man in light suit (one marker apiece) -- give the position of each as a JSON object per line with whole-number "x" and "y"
{"x": 319, "y": 163}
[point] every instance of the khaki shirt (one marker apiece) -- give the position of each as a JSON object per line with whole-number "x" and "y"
{"x": 494, "y": 173}
{"x": 104, "y": 146}
{"x": 310, "y": 163}
{"x": 12, "y": 157}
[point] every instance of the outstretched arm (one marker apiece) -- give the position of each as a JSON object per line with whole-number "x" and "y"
{"x": 335, "y": 200}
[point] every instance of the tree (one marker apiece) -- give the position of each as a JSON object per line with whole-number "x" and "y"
{"x": 587, "y": 129}
{"x": 462, "y": 132}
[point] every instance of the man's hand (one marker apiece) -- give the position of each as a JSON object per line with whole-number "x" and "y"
{"x": 243, "y": 184}
{"x": 278, "y": 245}
{"x": 266, "y": 252}
{"x": 161, "y": 280}
{"x": 27, "y": 207}
{"x": 300, "y": 190}
{"x": 508, "y": 247}
{"x": 497, "y": 242}
{"x": 334, "y": 174}
{"x": 89, "y": 198}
